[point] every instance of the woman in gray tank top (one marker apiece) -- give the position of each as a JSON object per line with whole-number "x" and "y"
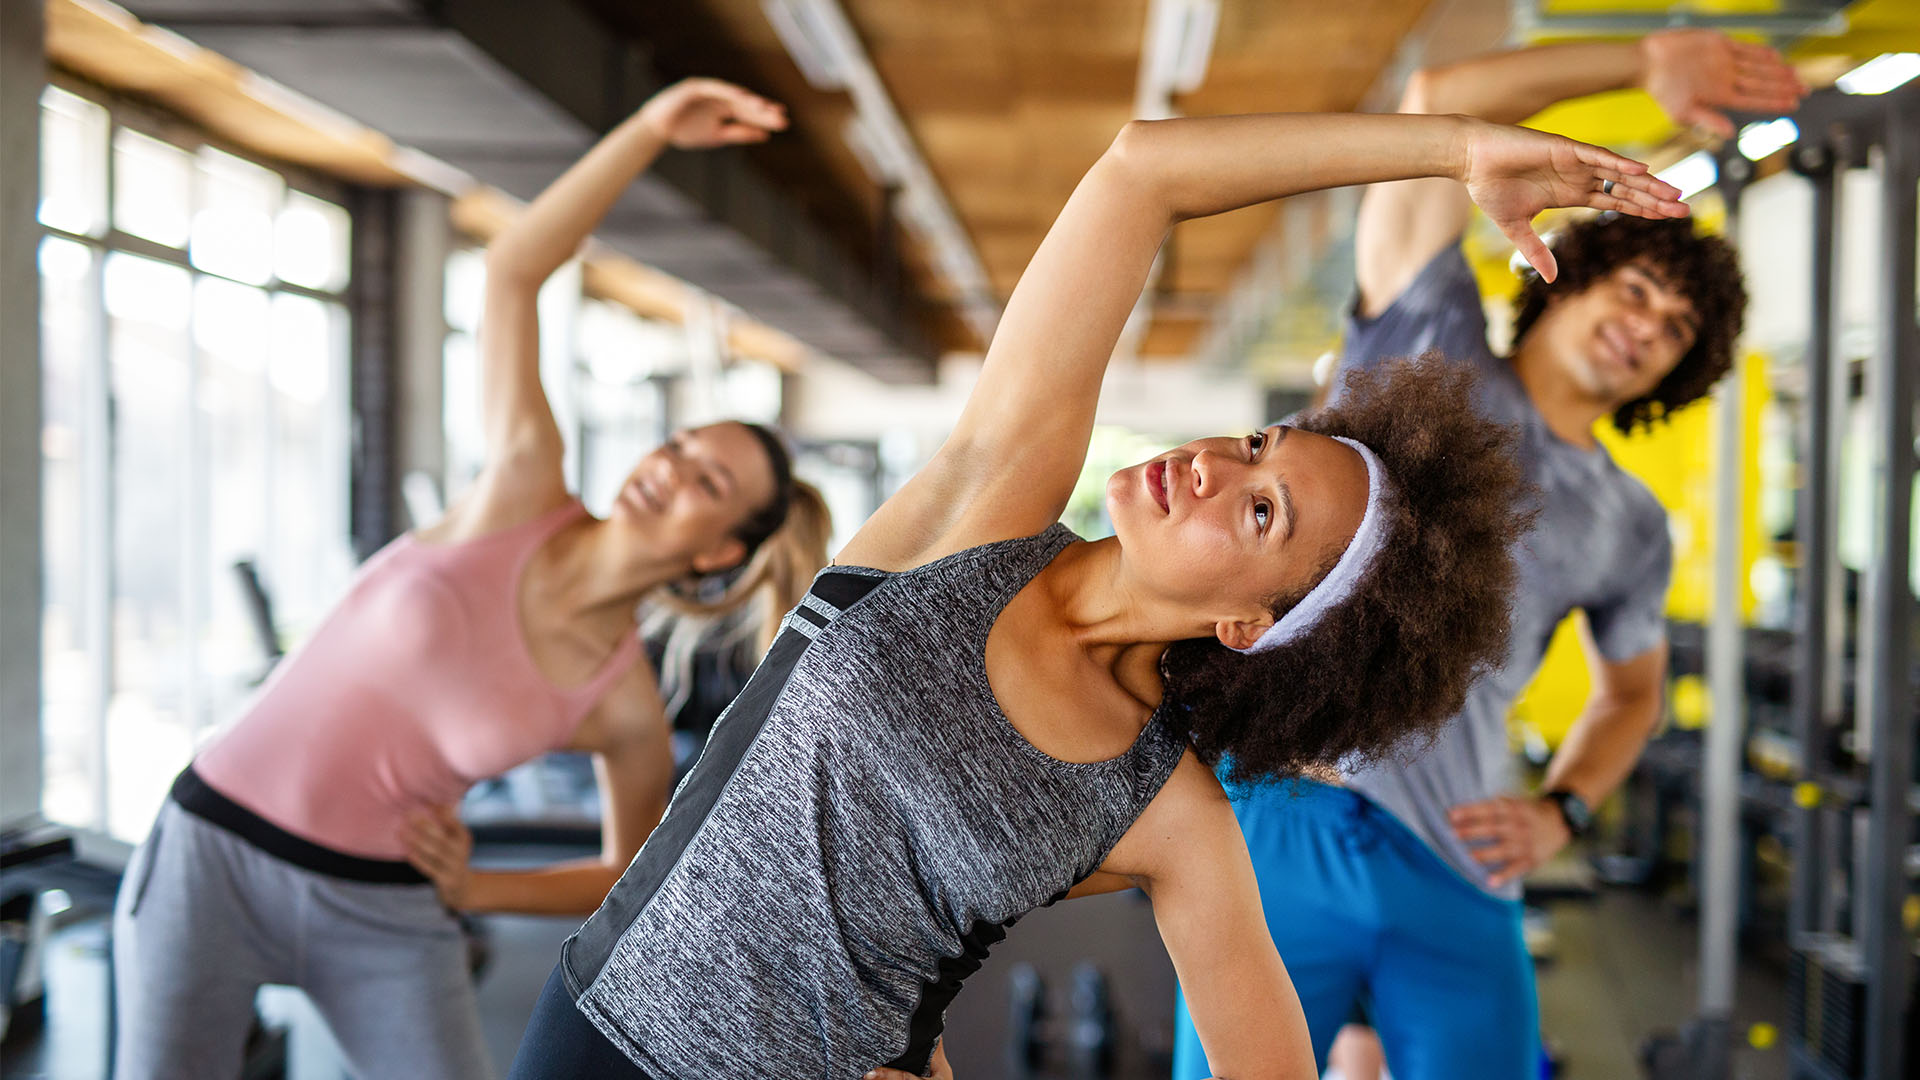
{"x": 975, "y": 713}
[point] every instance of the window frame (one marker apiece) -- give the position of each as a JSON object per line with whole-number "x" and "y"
{"x": 97, "y": 446}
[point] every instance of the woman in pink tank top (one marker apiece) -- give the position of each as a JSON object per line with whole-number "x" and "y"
{"x": 313, "y": 843}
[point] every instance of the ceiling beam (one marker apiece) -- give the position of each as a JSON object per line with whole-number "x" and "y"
{"x": 512, "y": 92}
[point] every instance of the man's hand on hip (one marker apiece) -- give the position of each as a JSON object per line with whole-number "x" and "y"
{"x": 1511, "y": 834}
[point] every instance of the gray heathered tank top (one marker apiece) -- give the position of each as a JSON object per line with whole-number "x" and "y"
{"x": 863, "y": 824}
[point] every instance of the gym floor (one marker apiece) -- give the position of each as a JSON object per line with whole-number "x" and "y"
{"x": 1623, "y": 966}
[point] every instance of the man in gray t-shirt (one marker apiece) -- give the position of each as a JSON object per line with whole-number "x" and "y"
{"x": 1401, "y": 888}
{"x": 1600, "y": 544}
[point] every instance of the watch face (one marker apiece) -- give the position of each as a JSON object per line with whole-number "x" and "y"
{"x": 1575, "y": 810}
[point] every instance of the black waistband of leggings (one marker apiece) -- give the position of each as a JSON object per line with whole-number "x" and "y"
{"x": 198, "y": 798}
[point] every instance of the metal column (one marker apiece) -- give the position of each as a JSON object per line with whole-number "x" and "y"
{"x": 421, "y": 242}
{"x": 1813, "y": 537}
{"x": 1726, "y": 674}
{"x": 373, "y": 482}
{"x": 1891, "y": 385}
{"x": 23, "y": 72}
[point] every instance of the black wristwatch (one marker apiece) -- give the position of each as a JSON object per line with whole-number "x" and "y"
{"x": 1573, "y": 810}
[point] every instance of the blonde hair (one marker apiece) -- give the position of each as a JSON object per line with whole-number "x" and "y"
{"x": 745, "y": 616}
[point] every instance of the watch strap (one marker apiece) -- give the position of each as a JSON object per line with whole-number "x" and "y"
{"x": 1573, "y": 810}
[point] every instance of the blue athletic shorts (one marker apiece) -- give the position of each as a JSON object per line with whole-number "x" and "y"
{"x": 1360, "y": 907}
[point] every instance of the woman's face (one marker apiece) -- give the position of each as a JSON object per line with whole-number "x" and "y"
{"x": 688, "y": 495}
{"x": 1223, "y": 526}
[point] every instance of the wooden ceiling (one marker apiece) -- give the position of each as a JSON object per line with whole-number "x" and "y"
{"x": 110, "y": 47}
{"x": 1010, "y": 101}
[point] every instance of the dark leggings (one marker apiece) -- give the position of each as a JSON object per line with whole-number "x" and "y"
{"x": 561, "y": 1045}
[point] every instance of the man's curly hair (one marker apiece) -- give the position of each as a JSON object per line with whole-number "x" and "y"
{"x": 1425, "y": 620}
{"x": 1704, "y": 269}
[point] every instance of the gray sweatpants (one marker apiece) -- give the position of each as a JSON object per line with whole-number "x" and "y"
{"x": 204, "y": 919}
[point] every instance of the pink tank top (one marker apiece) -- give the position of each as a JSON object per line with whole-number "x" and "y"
{"x": 417, "y": 686}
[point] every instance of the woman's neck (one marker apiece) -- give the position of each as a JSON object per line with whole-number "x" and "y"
{"x": 593, "y": 573}
{"x": 1118, "y": 627}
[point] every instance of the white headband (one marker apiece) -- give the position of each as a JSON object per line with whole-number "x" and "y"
{"x": 1337, "y": 586}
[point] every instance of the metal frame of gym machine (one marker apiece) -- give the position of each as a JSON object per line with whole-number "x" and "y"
{"x": 1849, "y": 990}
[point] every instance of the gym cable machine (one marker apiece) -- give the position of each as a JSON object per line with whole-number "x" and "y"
{"x": 1851, "y": 966}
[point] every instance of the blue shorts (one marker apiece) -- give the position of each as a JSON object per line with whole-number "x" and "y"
{"x": 1362, "y": 909}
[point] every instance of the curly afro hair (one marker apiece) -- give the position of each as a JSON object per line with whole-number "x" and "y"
{"x": 1704, "y": 269}
{"x": 1428, "y": 617}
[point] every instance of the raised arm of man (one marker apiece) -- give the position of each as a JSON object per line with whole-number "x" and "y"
{"x": 1693, "y": 74}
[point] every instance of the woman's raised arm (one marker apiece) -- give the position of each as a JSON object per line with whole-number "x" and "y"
{"x": 1013, "y": 456}
{"x": 523, "y": 444}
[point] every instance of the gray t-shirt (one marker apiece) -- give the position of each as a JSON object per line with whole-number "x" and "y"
{"x": 1600, "y": 544}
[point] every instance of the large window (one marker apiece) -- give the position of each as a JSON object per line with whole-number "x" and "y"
{"x": 196, "y": 416}
{"x": 620, "y": 381}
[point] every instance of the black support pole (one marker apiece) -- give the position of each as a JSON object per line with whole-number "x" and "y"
{"x": 374, "y": 482}
{"x": 1888, "y": 652}
{"x": 1813, "y": 541}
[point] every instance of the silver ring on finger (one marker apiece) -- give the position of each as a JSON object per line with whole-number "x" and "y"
{"x": 1606, "y": 187}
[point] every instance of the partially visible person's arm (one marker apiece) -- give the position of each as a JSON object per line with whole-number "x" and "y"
{"x": 1100, "y": 883}
{"x": 1518, "y": 833}
{"x": 635, "y": 774}
{"x": 1016, "y": 451}
{"x": 1693, "y": 74}
{"x": 1620, "y": 715}
{"x": 524, "y": 450}
{"x": 937, "y": 1069}
{"x": 1187, "y": 854}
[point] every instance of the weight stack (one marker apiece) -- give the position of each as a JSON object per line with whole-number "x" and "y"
{"x": 1827, "y": 1006}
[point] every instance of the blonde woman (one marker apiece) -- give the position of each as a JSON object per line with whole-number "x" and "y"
{"x": 502, "y": 631}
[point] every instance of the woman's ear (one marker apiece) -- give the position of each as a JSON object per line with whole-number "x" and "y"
{"x": 1241, "y": 633}
{"x": 724, "y": 555}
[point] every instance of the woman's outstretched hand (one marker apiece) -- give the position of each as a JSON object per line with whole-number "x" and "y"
{"x": 699, "y": 114}
{"x": 439, "y": 846}
{"x": 1513, "y": 173}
